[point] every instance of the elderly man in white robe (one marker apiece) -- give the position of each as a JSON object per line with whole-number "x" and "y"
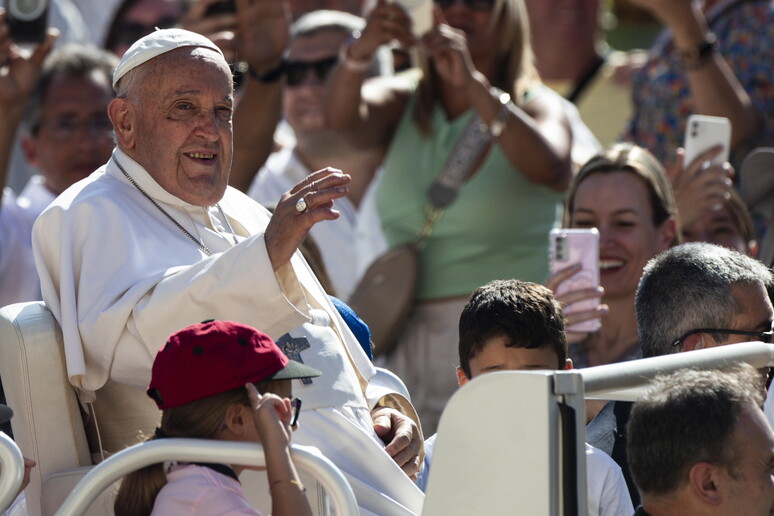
{"x": 154, "y": 241}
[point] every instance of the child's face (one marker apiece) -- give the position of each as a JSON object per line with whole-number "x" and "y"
{"x": 496, "y": 356}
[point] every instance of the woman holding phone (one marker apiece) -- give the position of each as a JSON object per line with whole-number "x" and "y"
{"x": 476, "y": 71}
{"x": 624, "y": 193}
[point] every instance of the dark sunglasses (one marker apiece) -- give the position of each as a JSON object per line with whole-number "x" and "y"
{"x": 763, "y": 336}
{"x": 295, "y": 406}
{"x": 295, "y": 71}
{"x": 473, "y": 5}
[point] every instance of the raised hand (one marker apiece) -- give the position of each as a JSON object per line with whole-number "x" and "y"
{"x": 19, "y": 69}
{"x": 292, "y": 218}
{"x": 220, "y": 28}
{"x": 701, "y": 186}
{"x": 448, "y": 49}
{"x": 262, "y": 32}
{"x": 386, "y": 22}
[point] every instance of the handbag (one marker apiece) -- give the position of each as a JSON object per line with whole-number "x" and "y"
{"x": 385, "y": 294}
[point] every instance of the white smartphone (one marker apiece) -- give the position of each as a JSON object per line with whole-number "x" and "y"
{"x": 420, "y": 12}
{"x": 569, "y": 247}
{"x": 703, "y": 132}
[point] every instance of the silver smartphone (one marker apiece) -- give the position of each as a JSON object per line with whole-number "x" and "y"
{"x": 569, "y": 247}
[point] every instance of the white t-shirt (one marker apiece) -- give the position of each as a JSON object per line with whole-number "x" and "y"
{"x": 607, "y": 494}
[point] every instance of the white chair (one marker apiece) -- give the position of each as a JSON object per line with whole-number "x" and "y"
{"x": 200, "y": 450}
{"x": 11, "y": 470}
{"x": 47, "y": 423}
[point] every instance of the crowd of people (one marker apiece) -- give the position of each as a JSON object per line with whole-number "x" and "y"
{"x": 246, "y": 161}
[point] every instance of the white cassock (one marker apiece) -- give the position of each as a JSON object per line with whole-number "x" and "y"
{"x": 120, "y": 277}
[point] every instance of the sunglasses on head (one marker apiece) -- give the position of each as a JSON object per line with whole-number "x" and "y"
{"x": 473, "y": 5}
{"x": 296, "y": 71}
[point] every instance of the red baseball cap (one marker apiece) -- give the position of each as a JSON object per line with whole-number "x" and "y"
{"x": 217, "y": 356}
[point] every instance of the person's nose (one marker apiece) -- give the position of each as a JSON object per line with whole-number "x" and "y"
{"x": 209, "y": 125}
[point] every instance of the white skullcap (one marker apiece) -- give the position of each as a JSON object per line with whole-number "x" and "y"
{"x": 157, "y": 43}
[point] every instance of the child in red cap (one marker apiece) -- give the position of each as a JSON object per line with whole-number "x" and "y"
{"x": 225, "y": 381}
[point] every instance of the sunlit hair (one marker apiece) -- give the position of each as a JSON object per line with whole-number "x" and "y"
{"x": 515, "y": 61}
{"x": 526, "y": 314}
{"x": 626, "y": 157}
{"x": 740, "y": 214}
{"x": 688, "y": 417}
{"x": 200, "y": 419}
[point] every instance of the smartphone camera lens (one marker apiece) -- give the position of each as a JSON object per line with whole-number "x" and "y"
{"x": 560, "y": 251}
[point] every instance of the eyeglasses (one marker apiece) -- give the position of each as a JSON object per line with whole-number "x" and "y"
{"x": 473, "y": 5}
{"x": 65, "y": 128}
{"x": 763, "y": 336}
{"x": 295, "y": 405}
{"x": 295, "y": 71}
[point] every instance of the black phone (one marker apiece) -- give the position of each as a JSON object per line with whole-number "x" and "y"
{"x": 224, "y": 7}
{"x": 27, "y": 20}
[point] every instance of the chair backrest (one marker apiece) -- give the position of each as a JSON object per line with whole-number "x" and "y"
{"x": 11, "y": 471}
{"x": 201, "y": 450}
{"x": 47, "y": 423}
{"x": 511, "y": 443}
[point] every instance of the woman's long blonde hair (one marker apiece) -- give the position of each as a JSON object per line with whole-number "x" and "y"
{"x": 516, "y": 62}
{"x": 200, "y": 419}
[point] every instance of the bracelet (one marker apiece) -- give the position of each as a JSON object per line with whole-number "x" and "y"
{"x": 350, "y": 63}
{"x": 696, "y": 57}
{"x": 497, "y": 126}
{"x": 294, "y": 482}
{"x": 270, "y": 76}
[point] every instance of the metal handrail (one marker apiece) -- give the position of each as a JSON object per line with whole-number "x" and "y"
{"x": 204, "y": 450}
{"x": 625, "y": 380}
{"x": 11, "y": 469}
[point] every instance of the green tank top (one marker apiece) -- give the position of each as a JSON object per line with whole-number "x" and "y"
{"x": 497, "y": 228}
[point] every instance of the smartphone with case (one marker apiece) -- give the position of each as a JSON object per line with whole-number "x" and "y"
{"x": 577, "y": 246}
{"x": 27, "y": 20}
{"x": 703, "y": 132}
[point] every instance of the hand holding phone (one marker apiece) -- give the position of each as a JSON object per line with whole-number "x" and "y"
{"x": 579, "y": 248}
{"x": 27, "y": 20}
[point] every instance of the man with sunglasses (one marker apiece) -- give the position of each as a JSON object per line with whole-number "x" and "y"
{"x": 692, "y": 296}
{"x": 350, "y": 242}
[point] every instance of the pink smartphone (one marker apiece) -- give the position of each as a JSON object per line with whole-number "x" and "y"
{"x": 571, "y": 246}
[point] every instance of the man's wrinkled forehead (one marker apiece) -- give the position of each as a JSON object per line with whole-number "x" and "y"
{"x": 181, "y": 63}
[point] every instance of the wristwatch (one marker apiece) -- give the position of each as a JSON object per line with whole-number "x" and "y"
{"x": 497, "y": 126}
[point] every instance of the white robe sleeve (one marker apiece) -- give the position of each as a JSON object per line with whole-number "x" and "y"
{"x": 111, "y": 275}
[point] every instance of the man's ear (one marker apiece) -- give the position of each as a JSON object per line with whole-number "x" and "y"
{"x": 706, "y": 483}
{"x": 752, "y": 249}
{"x": 693, "y": 342}
{"x": 121, "y": 114}
{"x": 29, "y": 149}
{"x": 462, "y": 379}
{"x": 568, "y": 364}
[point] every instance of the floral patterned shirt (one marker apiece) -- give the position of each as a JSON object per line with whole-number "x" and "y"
{"x": 662, "y": 98}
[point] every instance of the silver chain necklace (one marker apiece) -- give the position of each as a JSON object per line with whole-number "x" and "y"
{"x": 206, "y": 250}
